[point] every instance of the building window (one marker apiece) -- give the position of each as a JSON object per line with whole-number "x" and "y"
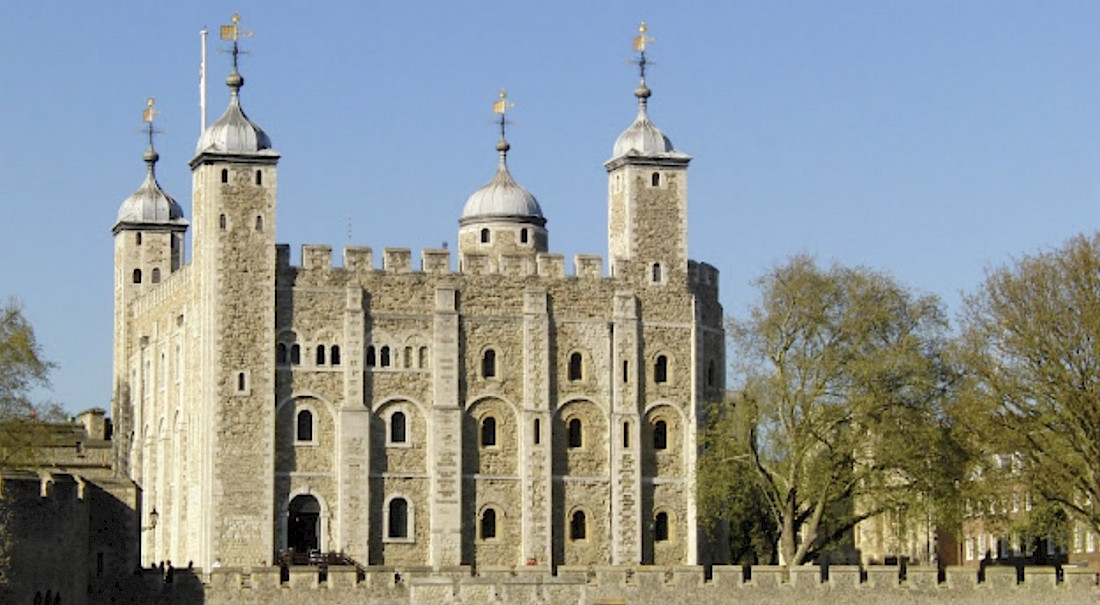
{"x": 334, "y": 355}
{"x": 305, "y": 426}
{"x": 397, "y": 428}
{"x": 538, "y": 431}
{"x": 488, "y": 524}
{"x": 485, "y": 236}
{"x": 221, "y": 222}
{"x": 576, "y": 366}
{"x": 626, "y": 371}
{"x": 408, "y": 357}
{"x": 295, "y": 354}
{"x": 660, "y": 527}
{"x": 259, "y": 223}
{"x": 320, "y": 355}
{"x": 655, "y": 179}
{"x": 242, "y": 382}
{"x": 488, "y": 431}
{"x": 660, "y": 435}
{"x": 370, "y": 357}
{"x": 384, "y": 357}
{"x": 137, "y": 238}
{"x": 137, "y": 276}
{"x": 156, "y": 275}
{"x": 626, "y": 434}
{"x": 657, "y": 273}
{"x": 577, "y": 526}
{"x": 280, "y": 353}
{"x": 422, "y": 361}
{"x": 489, "y": 363}
{"x": 576, "y": 437}
{"x": 523, "y": 236}
{"x": 660, "y": 369}
{"x": 398, "y": 526}
{"x": 259, "y": 177}
{"x": 225, "y": 175}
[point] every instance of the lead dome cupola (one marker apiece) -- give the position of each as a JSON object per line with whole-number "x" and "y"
{"x": 502, "y": 196}
{"x": 233, "y": 132}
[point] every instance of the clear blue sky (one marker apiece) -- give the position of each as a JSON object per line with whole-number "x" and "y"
{"x": 929, "y": 139}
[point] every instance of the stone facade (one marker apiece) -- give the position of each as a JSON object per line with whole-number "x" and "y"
{"x": 505, "y": 414}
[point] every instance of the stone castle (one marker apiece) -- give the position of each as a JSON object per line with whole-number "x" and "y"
{"x": 501, "y": 413}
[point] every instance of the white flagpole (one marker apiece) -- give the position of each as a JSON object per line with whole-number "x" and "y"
{"x": 202, "y": 83}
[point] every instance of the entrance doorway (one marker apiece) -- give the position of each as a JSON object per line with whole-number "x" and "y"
{"x": 303, "y": 524}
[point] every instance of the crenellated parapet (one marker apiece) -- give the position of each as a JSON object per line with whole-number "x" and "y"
{"x": 437, "y": 261}
{"x": 644, "y": 585}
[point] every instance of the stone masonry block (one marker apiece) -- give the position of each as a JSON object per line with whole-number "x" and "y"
{"x": 316, "y": 256}
{"x": 358, "y": 258}
{"x": 397, "y": 260}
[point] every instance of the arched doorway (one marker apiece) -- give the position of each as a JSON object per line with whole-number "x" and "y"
{"x": 303, "y": 529}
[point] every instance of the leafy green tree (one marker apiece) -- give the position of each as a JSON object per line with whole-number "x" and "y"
{"x": 843, "y": 377}
{"x": 22, "y": 369}
{"x": 1030, "y": 346}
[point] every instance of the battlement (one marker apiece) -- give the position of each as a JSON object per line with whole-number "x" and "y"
{"x": 437, "y": 261}
{"x": 634, "y": 585}
{"x": 155, "y": 296}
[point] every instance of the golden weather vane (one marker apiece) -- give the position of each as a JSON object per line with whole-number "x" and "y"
{"x": 233, "y": 33}
{"x": 150, "y": 111}
{"x": 641, "y": 40}
{"x": 501, "y": 107}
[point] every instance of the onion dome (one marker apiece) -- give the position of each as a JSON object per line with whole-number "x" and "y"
{"x": 150, "y": 204}
{"x": 643, "y": 138}
{"x": 502, "y": 197}
{"x": 233, "y": 133}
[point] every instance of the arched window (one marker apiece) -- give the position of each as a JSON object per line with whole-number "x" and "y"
{"x": 295, "y": 354}
{"x": 137, "y": 238}
{"x": 225, "y": 175}
{"x": 577, "y": 526}
{"x": 626, "y": 434}
{"x": 320, "y": 355}
{"x": 660, "y": 369}
{"x": 397, "y": 427}
{"x": 576, "y": 436}
{"x": 305, "y": 426}
{"x": 259, "y": 223}
{"x": 221, "y": 222}
{"x": 485, "y": 236}
{"x": 655, "y": 179}
{"x": 660, "y": 527}
{"x": 660, "y": 435}
{"x": 656, "y": 273}
{"x": 156, "y": 275}
{"x": 423, "y": 358}
{"x": 334, "y": 355}
{"x": 280, "y": 353}
{"x": 626, "y": 371}
{"x": 370, "y": 357}
{"x": 489, "y": 363}
{"x": 242, "y": 382}
{"x": 259, "y": 177}
{"x": 399, "y": 518}
{"x": 523, "y": 236}
{"x": 538, "y": 431}
{"x": 384, "y": 357}
{"x": 408, "y": 357}
{"x": 576, "y": 366}
{"x": 488, "y": 524}
{"x": 488, "y": 431}
{"x": 137, "y": 276}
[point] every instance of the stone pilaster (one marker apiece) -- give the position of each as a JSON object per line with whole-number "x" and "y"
{"x": 626, "y": 465}
{"x": 353, "y": 463}
{"x": 536, "y": 473}
{"x": 445, "y": 438}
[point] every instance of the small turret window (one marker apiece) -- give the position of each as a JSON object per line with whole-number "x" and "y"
{"x": 660, "y": 369}
{"x": 137, "y": 238}
{"x": 137, "y": 276}
{"x": 523, "y": 236}
{"x": 397, "y": 427}
{"x": 156, "y": 275}
{"x": 656, "y": 273}
{"x": 334, "y": 355}
{"x": 576, "y": 366}
{"x": 259, "y": 223}
{"x": 221, "y": 222}
{"x": 577, "y": 526}
{"x": 225, "y": 175}
{"x": 489, "y": 363}
{"x": 259, "y": 177}
{"x": 655, "y": 179}
{"x": 485, "y": 236}
{"x": 488, "y": 524}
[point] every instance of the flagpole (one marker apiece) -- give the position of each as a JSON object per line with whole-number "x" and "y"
{"x": 202, "y": 83}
